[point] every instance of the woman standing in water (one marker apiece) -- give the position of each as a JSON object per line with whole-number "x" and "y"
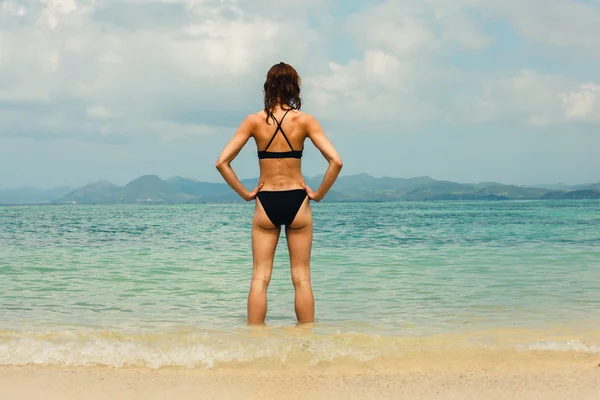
{"x": 282, "y": 196}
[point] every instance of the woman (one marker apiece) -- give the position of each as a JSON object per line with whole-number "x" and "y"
{"x": 282, "y": 196}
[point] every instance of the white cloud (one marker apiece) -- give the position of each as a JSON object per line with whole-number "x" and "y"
{"x": 228, "y": 47}
{"x": 60, "y": 6}
{"x": 458, "y": 27}
{"x": 390, "y": 27}
{"x": 582, "y": 104}
{"x": 419, "y": 84}
{"x": 404, "y": 27}
{"x": 377, "y": 87}
{"x": 13, "y": 8}
{"x": 526, "y": 96}
{"x": 50, "y": 61}
{"x": 563, "y": 23}
{"x": 146, "y": 73}
{"x": 91, "y": 60}
{"x": 531, "y": 98}
{"x": 98, "y": 111}
{"x": 70, "y": 12}
{"x": 381, "y": 87}
{"x": 74, "y": 64}
{"x": 169, "y": 130}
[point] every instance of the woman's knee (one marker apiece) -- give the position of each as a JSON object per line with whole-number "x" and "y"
{"x": 260, "y": 284}
{"x": 262, "y": 274}
{"x": 301, "y": 276}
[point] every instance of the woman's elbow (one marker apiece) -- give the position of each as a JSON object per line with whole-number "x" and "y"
{"x": 337, "y": 163}
{"x": 220, "y": 165}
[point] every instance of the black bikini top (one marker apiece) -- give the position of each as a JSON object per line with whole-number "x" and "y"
{"x": 280, "y": 154}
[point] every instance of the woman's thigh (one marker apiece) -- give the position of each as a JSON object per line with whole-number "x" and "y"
{"x": 264, "y": 239}
{"x": 299, "y": 237}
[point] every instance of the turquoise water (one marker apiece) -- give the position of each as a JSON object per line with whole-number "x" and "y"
{"x": 167, "y": 285}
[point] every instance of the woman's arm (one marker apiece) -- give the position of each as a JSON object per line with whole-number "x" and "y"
{"x": 243, "y": 133}
{"x": 317, "y": 136}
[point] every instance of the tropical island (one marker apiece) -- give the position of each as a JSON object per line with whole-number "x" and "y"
{"x": 349, "y": 188}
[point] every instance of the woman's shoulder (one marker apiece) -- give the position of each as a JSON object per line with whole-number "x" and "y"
{"x": 299, "y": 117}
{"x": 255, "y": 117}
{"x": 303, "y": 115}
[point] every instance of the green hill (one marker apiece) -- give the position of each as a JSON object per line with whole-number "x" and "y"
{"x": 512, "y": 192}
{"x": 572, "y": 195}
{"x": 361, "y": 187}
{"x": 98, "y": 192}
{"x": 201, "y": 189}
{"x": 150, "y": 188}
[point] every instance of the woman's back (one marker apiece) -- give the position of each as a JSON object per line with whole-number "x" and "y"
{"x": 280, "y": 143}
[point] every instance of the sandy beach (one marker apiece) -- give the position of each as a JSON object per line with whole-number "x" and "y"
{"x": 547, "y": 378}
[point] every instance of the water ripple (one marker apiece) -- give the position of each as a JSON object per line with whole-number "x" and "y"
{"x": 422, "y": 267}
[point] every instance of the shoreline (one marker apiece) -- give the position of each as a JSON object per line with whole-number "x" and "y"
{"x": 280, "y": 350}
{"x": 580, "y": 381}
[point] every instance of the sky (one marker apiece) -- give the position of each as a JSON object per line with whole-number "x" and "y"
{"x": 460, "y": 90}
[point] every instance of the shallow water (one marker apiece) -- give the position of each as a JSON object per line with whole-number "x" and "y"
{"x": 167, "y": 285}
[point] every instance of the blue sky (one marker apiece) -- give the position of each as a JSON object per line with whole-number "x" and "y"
{"x": 463, "y": 90}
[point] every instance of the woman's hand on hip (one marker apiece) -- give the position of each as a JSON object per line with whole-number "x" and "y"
{"x": 312, "y": 195}
{"x": 252, "y": 195}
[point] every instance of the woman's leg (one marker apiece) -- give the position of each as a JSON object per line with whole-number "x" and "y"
{"x": 264, "y": 241}
{"x": 299, "y": 239}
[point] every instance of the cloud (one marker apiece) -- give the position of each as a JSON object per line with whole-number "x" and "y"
{"x": 202, "y": 62}
{"x": 526, "y": 96}
{"x": 390, "y": 29}
{"x": 204, "y": 69}
{"x": 426, "y": 26}
{"x": 377, "y": 87}
{"x": 137, "y": 77}
{"x": 562, "y": 23}
{"x": 583, "y": 104}
{"x": 98, "y": 112}
{"x": 531, "y": 98}
{"x": 407, "y": 70}
{"x": 68, "y": 12}
{"x": 459, "y": 27}
{"x": 13, "y": 8}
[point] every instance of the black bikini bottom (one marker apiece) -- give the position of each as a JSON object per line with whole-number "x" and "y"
{"x": 282, "y": 206}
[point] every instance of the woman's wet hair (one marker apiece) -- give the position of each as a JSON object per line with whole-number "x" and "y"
{"x": 282, "y": 87}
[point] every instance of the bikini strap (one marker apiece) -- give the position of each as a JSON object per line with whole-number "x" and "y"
{"x": 278, "y": 130}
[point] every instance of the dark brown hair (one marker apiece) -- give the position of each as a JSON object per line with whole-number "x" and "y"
{"x": 282, "y": 87}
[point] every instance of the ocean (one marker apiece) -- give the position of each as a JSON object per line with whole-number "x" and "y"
{"x": 166, "y": 285}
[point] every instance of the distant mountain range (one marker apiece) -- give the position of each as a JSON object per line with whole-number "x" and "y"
{"x": 361, "y": 187}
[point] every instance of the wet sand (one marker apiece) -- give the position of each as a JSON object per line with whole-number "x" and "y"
{"x": 576, "y": 380}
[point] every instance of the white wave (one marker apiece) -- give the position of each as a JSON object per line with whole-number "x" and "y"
{"x": 214, "y": 349}
{"x": 563, "y": 346}
{"x": 156, "y": 354}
